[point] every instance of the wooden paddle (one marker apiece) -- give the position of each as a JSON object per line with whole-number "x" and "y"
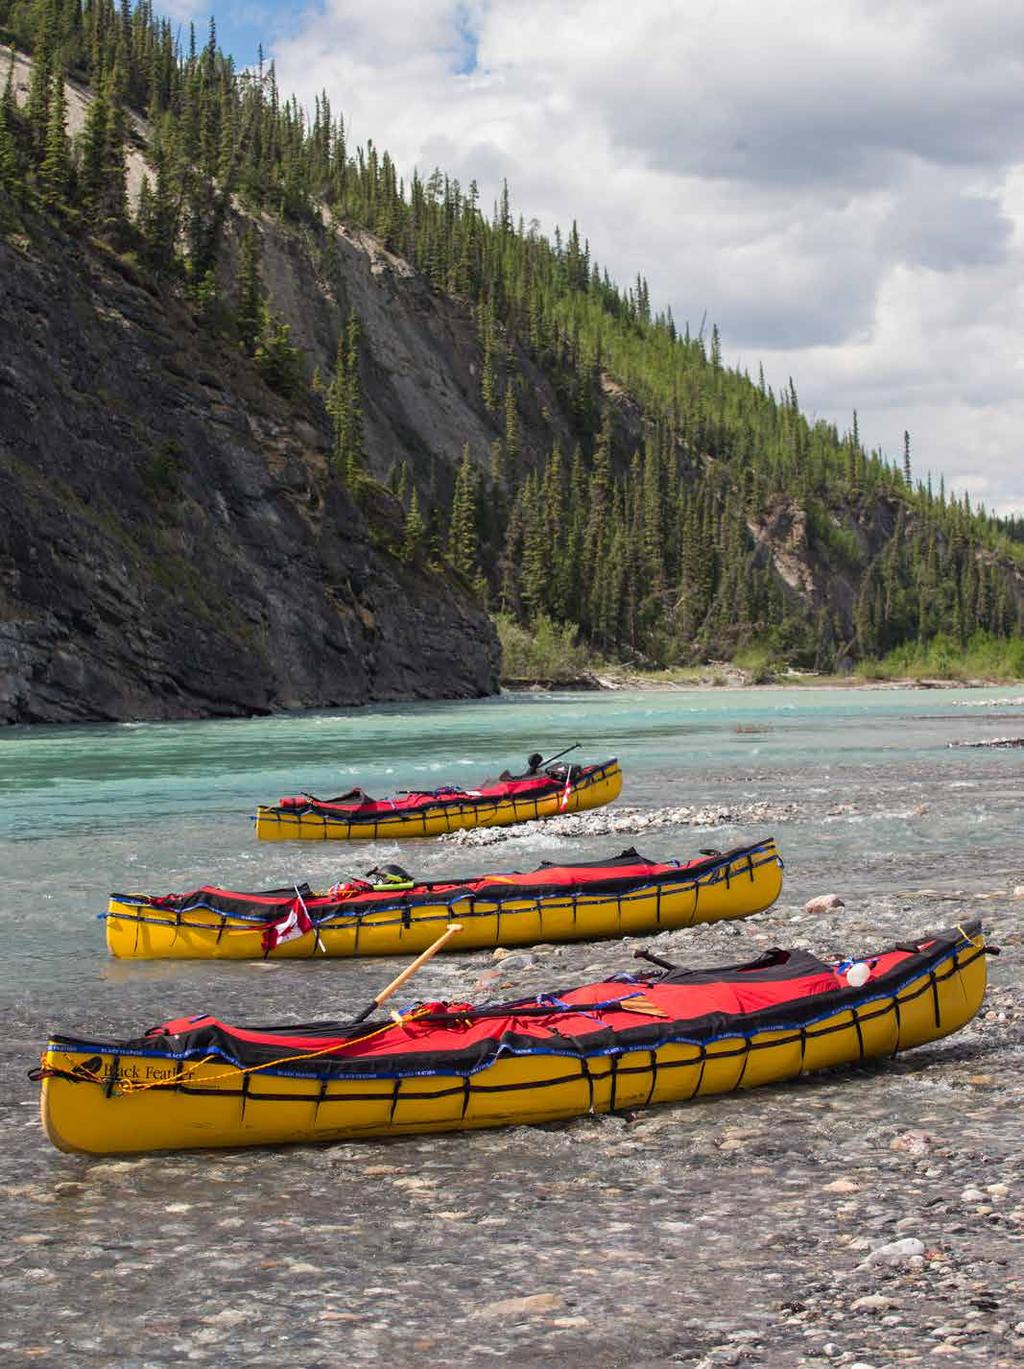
{"x": 407, "y": 973}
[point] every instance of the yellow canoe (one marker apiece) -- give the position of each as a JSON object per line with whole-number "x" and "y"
{"x": 560, "y": 789}
{"x": 624, "y": 896}
{"x": 623, "y": 1043}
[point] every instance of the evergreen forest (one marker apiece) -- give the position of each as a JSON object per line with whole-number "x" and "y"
{"x": 651, "y": 532}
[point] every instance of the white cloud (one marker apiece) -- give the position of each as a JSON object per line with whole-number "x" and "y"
{"x": 839, "y": 186}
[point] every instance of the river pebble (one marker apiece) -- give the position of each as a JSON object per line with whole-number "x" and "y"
{"x": 737, "y": 1230}
{"x": 864, "y": 1209}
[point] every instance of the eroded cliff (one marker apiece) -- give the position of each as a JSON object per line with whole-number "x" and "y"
{"x": 172, "y": 543}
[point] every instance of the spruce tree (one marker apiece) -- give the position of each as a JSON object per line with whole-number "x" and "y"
{"x": 93, "y": 157}
{"x": 337, "y": 400}
{"x": 415, "y": 530}
{"x": 463, "y": 545}
{"x": 488, "y": 380}
{"x": 8, "y": 159}
{"x": 277, "y": 359}
{"x": 354, "y": 400}
{"x": 114, "y": 207}
{"x": 54, "y": 169}
{"x": 512, "y": 440}
{"x": 345, "y": 405}
{"x": 249, "y": 292}
{"x": 45, "y": 65}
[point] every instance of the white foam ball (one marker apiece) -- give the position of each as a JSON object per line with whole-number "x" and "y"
{"x": 858, "y": 975}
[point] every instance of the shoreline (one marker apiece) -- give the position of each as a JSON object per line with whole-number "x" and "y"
{"x": 734, "y": 677}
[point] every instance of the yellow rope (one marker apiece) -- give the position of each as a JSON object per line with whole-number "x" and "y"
{"x": 970, "y": 939}
{"x": 126, "y": 1086}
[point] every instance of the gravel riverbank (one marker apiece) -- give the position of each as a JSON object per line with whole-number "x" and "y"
{"x": 868, "y": 1216}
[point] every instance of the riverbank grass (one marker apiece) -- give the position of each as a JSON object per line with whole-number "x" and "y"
{"x": 551, "y": 654}
{"x": 984, "y": 657}
{"x": 545, "y": 652}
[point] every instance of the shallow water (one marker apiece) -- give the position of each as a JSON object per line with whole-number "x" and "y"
{"x": 882, "y": 802}
{"x": 346, "y": 1255}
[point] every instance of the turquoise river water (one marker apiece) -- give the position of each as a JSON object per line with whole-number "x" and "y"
{"x": 870, "y": 798}
{"x": 610, "y": 1241}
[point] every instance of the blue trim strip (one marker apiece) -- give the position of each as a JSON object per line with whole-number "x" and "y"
{"x": 713, "y": 874}
{"x": 668, "y": 1040}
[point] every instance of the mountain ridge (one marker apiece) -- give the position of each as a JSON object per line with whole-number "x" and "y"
{"x": 552, "y": 446}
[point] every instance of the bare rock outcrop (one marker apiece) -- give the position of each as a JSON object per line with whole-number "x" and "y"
{"x": 171, "y": 544}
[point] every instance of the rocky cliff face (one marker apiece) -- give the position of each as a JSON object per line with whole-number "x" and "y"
{"x": 171, "y": 542}
{"x": 821, "y": 563}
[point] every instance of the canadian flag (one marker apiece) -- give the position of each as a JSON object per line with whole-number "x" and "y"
{"x": 563, "y": 801}
{"x": 290, "y": 927}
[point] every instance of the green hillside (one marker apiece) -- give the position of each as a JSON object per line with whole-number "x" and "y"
{"x": 693, "y": 513}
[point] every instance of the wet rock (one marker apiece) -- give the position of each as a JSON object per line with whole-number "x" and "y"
{"x": 534, "y": 1304}
{"x": 485, "y": 981}
{"x": 895, "y": 1252}
{"x": 911, "y": 1142}
{"x": 511, "y": 961}
{"x": 824, "y": 903}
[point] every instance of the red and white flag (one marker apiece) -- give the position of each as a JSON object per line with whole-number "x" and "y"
{"x": 294, "y": 924}
{"x": 563, "y": 801}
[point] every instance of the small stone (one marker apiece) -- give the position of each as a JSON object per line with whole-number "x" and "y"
{"x": 823, "y": 903}
{"x": 841, "y": 1186}
{"x": 511, "y": 960}
{"x": 972, "y": 1195}
{"x": 228, "y": 1316}
{"x": 911, "y": 1142}
{"x": 872, "y": 1302}
{"x": 531, "y": 1305}
{"x": 1018, "y": 891}
{"x": 896, "y": 1252}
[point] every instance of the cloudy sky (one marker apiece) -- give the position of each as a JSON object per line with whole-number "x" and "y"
{"x": 839, "y": 185}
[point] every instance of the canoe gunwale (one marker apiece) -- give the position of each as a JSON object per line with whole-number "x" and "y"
{"x": 134, "y": 1107}
{"x": 452, "y": 814}
{"x": 711, "y": 871}
{"x": 924, "y": 965}
{"x": 733, "y": 885}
